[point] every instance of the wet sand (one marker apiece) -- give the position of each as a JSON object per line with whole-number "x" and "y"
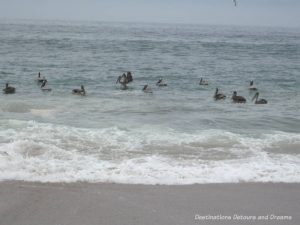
{"x": 23, "y": 203}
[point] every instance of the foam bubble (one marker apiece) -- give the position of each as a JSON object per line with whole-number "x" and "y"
{"x": 34, "y": 151}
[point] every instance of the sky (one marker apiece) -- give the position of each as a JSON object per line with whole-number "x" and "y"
{"x": 283, "y": 13}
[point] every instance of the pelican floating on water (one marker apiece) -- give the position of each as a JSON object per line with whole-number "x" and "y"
{"x": 259, "y": 101}
{"x": 160, "y": 83}
{"x": 129, "y": 77}
{"x": 203, "y": 82}
{"x": 43, "y": 86}
{"x": 147, "y": 89}
{"x": 252, "y": 87}
{"x": 219, "y": 96}
{"x": 238, "y": 99}
{"x": 125, "y": 79}
{"x": 8, "y": 89}
{"x": 79, "y": 91}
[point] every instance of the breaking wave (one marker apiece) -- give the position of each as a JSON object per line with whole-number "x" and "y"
{"x": 43, "y": 152}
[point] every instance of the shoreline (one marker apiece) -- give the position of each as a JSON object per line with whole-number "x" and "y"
{"x": 35, "y": 203}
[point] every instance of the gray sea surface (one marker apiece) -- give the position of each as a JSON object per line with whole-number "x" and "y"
{"x": 178, "y": 134}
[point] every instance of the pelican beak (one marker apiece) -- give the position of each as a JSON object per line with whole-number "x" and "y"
{"x": 254, "y": 97}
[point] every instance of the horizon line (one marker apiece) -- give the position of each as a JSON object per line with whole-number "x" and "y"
{"x": 146, "y": 22}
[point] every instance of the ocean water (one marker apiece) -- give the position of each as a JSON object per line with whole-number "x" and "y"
{"x": 178, "y": 134}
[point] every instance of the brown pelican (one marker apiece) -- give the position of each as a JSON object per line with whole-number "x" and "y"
{"x": 44, "y": 83}
{"x": 8, "y": 89}
{"x": 219, "y": 96}
{"x": 160, "y": 83}
{"x": 238, "y": 99}
{"x": 125, "y": 79}
{"x": 235, "y": 2}
{"x": 79, "y": 91}
{"x": 147, "y": 89}
{"x": 203, "y": 82}
{"x": 252, "y": 87}
{"x": 43, "y": 86}
{"x": 129, "y": 77}
{"x": 259, "y": 101}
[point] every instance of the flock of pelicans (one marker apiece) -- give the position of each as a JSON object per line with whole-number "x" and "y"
{"x": 236, "y": 98}
{"x": 125, "y": 79}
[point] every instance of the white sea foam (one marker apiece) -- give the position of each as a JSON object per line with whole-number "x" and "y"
{"x": 149, "y": 155}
